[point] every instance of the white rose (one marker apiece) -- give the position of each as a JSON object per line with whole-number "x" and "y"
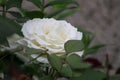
{"x": 49, "y": 34}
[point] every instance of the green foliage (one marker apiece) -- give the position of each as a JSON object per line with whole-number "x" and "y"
{"x": 76, "y": 62}
{"x": 93, "y": 49}
{"x": 7, "y": 28}
{"x": 76, "y": 74}
{"x": 13, "y": 3}
{"x": 15, "y": 14}
{"x": 37, "y": 3}
{"x": 66, "y": 13}
{"x": 54, "y": 13}
{"x": 41, "y": 5}
{"x": 34, "y": 14}
{"x": 2, "y": 2}
{"x": 66, "y": 71}
{"x": 115, "y": 78}
{"x": 61, "y": 2}
{"x": 91, "y": 75}
{"x": 33, "y": 68}
{"x": 59, "y": 12}
{"x": 87, "y": 39}
{"x": 55, "y": 61}
{"x": 74, "y": 46}
{"x": 46, "y": 78}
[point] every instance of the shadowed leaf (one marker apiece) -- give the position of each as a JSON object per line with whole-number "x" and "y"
{"x": 7, "y": 28}
{"x": 73, "y": 46}
{"x": 34, "y": 14}
{"x": 55, "y": 61}
{"x": 76, "y": 62}
{"x": 13, "y": 3}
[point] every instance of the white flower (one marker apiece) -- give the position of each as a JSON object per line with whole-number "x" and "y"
{"x": 49, "y": 34}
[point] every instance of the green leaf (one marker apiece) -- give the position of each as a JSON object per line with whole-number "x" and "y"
{"x": 46, "y": 78}
{"x": 23, "y": 11}
{"x": 115, "y": 78}
{"x": 76, "y": 74}
{"x": 84, "y": 31}
{"x": 92, "y": 75}
{"x": 61, "y": 2}
{"x": 66, "y": 71}
{"x": 15, "y": 14}
{"x": 7, "y": 28}
{"x": 54, "y": 13}
{"x": 73, "y": 46}
{"x": 13, "y": 3}
{"x": 55, "y": 62}
{"x": 58, "y": 11}
{"x": 76, "y": 62}
{"x": 3, "y": 2}
{"x": 87, "y": 39}
{"x": 34, "y": 14}
{"x": 37, "y": 3}
{"x": 22, "y": 20}
{"x": 33, "y": 68}
{"x": 34, "y": 51}
{"x": 66, "y": 13}
{"x": 93, "y": 49}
